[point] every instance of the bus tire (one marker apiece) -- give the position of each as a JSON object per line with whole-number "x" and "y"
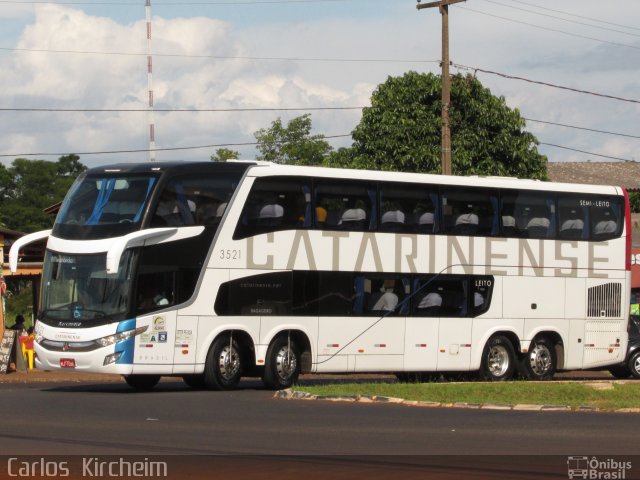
{"x": 283, "y": 364}
{"x": 539, "y": 363}
{"x": 223, "y": 367}
{"x": 142, "y": 382}
{"x": 634, "y": 364}
{"x": 498, "y": 360}
{"x": 194, "y": 381}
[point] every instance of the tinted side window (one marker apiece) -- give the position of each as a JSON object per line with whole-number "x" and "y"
{"x": 345, "y": 206}
{"x": 275, "y": 203}
{"x": 441, "y": 296}
{"x": 573, "y": 219}
{"x": 336, "y": 294}
{"x": 379, "y": 294}
{"x": 268, "y": 294}
{"x": 606, "y": 217}
{"x": 408, "y": 208}
{"x": 528, "y": 214}
{"x": 469, "y": 212}
{"x": 481, "y": 292}
{"x": 192, "y": 200}
{"x": 164, "y": 278}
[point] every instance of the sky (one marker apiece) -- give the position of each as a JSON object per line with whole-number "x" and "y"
{"x": 302, "y": 54}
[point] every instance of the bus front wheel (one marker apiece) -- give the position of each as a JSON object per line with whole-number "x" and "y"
{"x": 283, "y": 364}
{"x": 223, "y": 367}
{"x": 498, "y": 359}
{"x": 142, "y": 382}
{"x": 539, "y": 363}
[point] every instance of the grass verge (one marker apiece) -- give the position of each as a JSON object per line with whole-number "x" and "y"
{"x": 622, "y": 395}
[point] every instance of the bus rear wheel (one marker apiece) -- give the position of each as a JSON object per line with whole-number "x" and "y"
{"x": 539, "y": 363}
{"x": 142, "y": 382}
{"x": 283, "y": 364}
{"x": 223, "y": 367}
{"x": 498, "y": 359}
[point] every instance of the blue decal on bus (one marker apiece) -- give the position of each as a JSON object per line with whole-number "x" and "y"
{"x": 126, "y": 346}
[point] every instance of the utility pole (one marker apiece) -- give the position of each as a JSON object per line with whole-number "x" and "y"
{"x": 446, "y": 80}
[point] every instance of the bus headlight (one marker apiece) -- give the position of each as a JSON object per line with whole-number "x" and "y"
{"x": 118, "y": 337}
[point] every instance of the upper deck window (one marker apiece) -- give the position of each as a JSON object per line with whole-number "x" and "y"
{"x": 193, "y": 200}
{"x": 106, "y": 200}
{"x": 276, "y": 203}
{"x": 104, "y": 206}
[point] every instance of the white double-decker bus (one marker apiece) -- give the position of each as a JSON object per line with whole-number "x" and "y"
{"x": 214, "y": 271}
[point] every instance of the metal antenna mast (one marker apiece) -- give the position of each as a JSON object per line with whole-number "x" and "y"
{"x": 152, "y": 136}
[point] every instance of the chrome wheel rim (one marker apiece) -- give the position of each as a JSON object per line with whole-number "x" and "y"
{"x": 286, "y": 363}
{"x": 636, "y": 365}
{"x": 498, "y": 361}
{"x": 540, "y": 359}
{"x": 229, "y": 362}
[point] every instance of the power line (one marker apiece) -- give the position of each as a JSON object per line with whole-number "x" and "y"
{"x": 283, "y": 109}
{"x": 129, "y": 4}
{"x": 562, "y": 19}
{"x": 547, "y": 84}
{"x": 548, "y": 29}
{"x": 588, "y": 153}
{"x": 146, "y": 150}
{"x": 576, "y": 15}
{"x": 199, "y": 110}
{"x": 581, "y": 128}
{"x": 244, "y": 144}
{"x": 222, "y": 57}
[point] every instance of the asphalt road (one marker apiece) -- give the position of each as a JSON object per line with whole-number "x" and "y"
{"x": 111, "y": 419}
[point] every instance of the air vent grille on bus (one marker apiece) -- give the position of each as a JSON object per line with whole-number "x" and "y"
{"x": 604, "y": 300}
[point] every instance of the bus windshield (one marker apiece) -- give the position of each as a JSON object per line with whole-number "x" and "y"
{"x": 79, "y": 291}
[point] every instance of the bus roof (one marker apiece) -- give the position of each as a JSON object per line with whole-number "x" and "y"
{"x": 262, "y": 169}
{"x": 259, "y": 170}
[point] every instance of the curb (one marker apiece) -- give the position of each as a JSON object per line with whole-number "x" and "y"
{"x": 289, "y": 394}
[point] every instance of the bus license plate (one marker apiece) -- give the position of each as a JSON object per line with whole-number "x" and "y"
{"x": 67, "y": 363}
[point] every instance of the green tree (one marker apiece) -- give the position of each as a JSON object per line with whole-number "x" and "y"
{"x": 30, "y": 186}
{"x": 401, "y": 131}
{"x": 292, "y": 144}
{"x": 634, "y": 200}
{"x": 224, "y": 154}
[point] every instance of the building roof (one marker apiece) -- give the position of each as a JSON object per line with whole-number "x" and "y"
{"x": 624, "y": 174}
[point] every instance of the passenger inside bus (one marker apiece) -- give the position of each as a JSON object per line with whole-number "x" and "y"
{"x": 355, "y": 218}
{"x": 509, "y": 228}
{"x": 385, "y": 300}
{"x": 466, "y": 223}
{"x": 538, "y": 223}
{"x": 321, "y": 216}
{"x": 572, "y": 224}
{"x": 430, "y": 304}
{"x": 392, "y": 221}
{"x": 426, "y": 222}
{"x": 270, "y": 215}
{"x": 604, "y": 225}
